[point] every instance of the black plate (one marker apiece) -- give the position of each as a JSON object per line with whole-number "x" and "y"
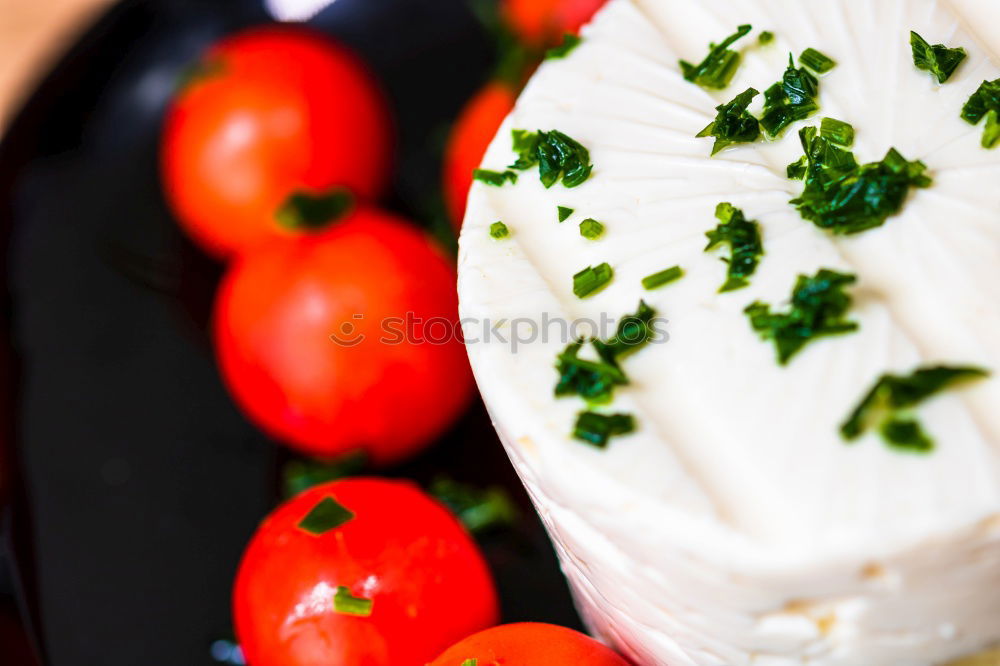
{"x": 138, "y": 481}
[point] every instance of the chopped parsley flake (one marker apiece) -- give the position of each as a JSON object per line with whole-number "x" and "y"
{"x": 733, "y": 123}
{"x": 743, "y": 237}
{"x": 591, "y": 229}
{"x": 766, "y": 38}
{"x": 791, "y": 99}
{"x": 494, "y": 178}
{"x": 479, "y": 509}
{"x": 981, "y": 104}
{"x": 596, "y": 429}
{"x": 564, "y": 213}
{"x": 664, "y": 277}
{"x": 818, "y": 308}
{"x": 347, "y": 604}
{"x": 594, "y": 381}
{"x": 556, "y": 154}
{"x": 816, "y": 61}
{"x": 499, "y": 230}
{"x": 470, "y": 662}
{"x": 845, "y": 198}
{"x": 887, "y": 405}
{"x": 719, "y": 66}
{"x": 837, "y": 131}
{"x": 327, "y": 515}
{"x": 592, "y": 279}
{"x": 569, "y": 42}
{"x": 634, "y": 332}
{"x": 939, "y": 60}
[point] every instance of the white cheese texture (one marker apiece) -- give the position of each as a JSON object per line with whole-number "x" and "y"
{"x": 736, "y": 527}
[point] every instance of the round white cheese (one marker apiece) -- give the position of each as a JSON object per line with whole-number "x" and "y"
{"x": 735, "y": 526}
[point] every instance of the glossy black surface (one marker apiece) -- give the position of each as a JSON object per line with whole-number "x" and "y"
{"x": 138, "y": 482}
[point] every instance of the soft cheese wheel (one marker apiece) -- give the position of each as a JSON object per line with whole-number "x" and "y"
{"x": 735, "y": 526}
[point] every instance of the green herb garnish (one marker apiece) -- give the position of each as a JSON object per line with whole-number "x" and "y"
{"x": 304, "y": 210}
{"x": 592, "y": 279}
{"x": 494, "y": 178}
{"x": 301, "y": 474}
{"x": 766, "y": 38}
{"x": 470, "y": 662}
{"x": 327, "y": 515}
{"x": 591, "y": 229}
{"x": 791, "y": 99}
{"x": 837, "y": 131}
{"x": 733, "y": 123}
{"x": 594, "y": 381}
{"x": 347, "y": 604}
{"x": 596, "y": 429}
{"x": 888, "y": 403}
{"x": 499, "y": 230}
{"x": 557, "y": 155}
{"x": 719, "y": 66}
{"x": 984, "y": 102}
{"x": 663, "y": 277}
{"x": 816, "y": 61}
{"x": 634, "y": 331}
{"x": 479, "y": 509}
{"x": 845, "y": 198}
{"x": 818, "y": 308}
{"x": 743, "y": 237}
{"x": 939, "y": 60}
{"x": 569, "y": 42}
{"x": 564, "y": 213}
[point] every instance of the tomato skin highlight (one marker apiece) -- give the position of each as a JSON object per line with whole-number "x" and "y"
{"x": 396, "y": 376}
{"x": 530, "y": 644}
{"x": 427, "y": 581}
{"x": 470, "y": 136}
{"x": 542, "y": 23}
{"x": 276, "y": 109}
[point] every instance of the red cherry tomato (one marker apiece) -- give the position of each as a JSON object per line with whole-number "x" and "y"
{"x": 273, "y": 110}
{"x": 471, "y": 134}
{"x": 345, "y": 339}
{"x": 426, "y": 581}
{"x": 530, "y": 644}
{"x": 543, "y": 22}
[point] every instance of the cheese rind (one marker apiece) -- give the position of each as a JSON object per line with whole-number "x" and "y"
{"x": 736, "y": 527}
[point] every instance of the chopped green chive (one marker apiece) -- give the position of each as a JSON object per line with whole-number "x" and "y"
{"x": 594, "y": 381}
{"x": 327, "y": 515}
{"x": 847, "y": 198}
{"x": 591, "y": 229}
{"x": 470, "y": 662}
{"x": 564, "y": 213}
{"x": 791, "y": 99}
{"x": 816, "y": 61}
{"x": 743, "y": 237}
{"x": 596, "y": 429}
{"x": 888, "y": 402}
{"x": 479, "y": 509}
{"x": 311, "y": 211}
{"x": 939, "y": 60}
{"x": 664, "y": 277}
{"x": 494, "y": 178}
{"x": 634, "y": 332}
{"x": 569, "y": 42}
{"x": 592, "y": 279}
{"x": 991, "y": 135}
{"x": 733, "y": 123}
{"x": 985, "y": 99}
{"x": 499, "y": 230}
{"x": 344, "y": 602}
{"x": 837, "y": 131}
{"x": 719, "y": 66}
{"x": 766, "y": 38}
{"x": 557, "y": 155}
{"x": 299, "y": 475}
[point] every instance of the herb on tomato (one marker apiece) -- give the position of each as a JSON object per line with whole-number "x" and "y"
{"x": 592, "y": 279}
{"x": 569, "y": 42}
{"x": 346, "y": 603}
{"x": 327, "y": 515}
{"x": 818, "y": 308}
{"x": 888, "y": 402}
{"x": 309, "y": 211}
{"x": 564, "y": 213}
{"x": 591, "y": 229}
{"x": 470, "y": 662}
{"x": 596, "y": 429}
{"x": 791, "y": 99}
{"x": 733, "y": 123}
{"x": 816, "y": 61}
{"x": 594, "y": 381}
{"x": 557, "y": 155}
{"x": 480, "y": 509}
{"x": 634, "y": 331}
{"x": 719, "y": 66}
{"x": 664, "y": 277}
{"x": 940, "y": 60}
{"x": 743, "y": 237}
{"x": 494, "y": 178}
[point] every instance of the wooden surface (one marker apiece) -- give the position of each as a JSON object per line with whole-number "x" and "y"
{"x": 33, "y": 33}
